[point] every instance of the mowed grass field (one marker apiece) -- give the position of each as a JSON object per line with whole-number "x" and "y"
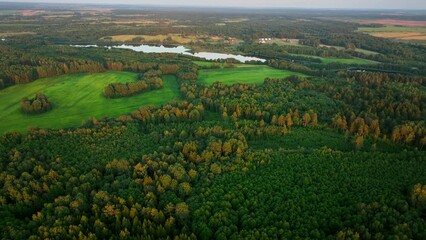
{"x": 367, "y": 52}
{"x": 359, "y": 61}
{"x": 244, "y": 73}
{"x": 76, "y": 97}
{"x": 327, "y": 60}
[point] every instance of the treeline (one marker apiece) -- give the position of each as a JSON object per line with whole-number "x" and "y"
{"x": 390, "y": 98}
{"x": 187, "y": 72}
{"x": 379, "y": 104}
{"x": 115, "y": 90}
{"x": 410, "y": 133}
{"x": 266, "y": 102}
{"x": 357, "y": 125}
{"x": 150, "y": 77}
{"x": 393, "y": 51}
{"x": 19, "y": 74}
{"x": 314, "y": 68}
{"x": 274, "y": 51}
{"x": 20, "y": 65}
{"x": 297, "y": 66}
{"x": 361, "y": 104}
{"x": 174, "y": 112}
{"x": 39, "y": 104}
{"x": 376, "y": 80}
{"x": 218, "y": 65}
{"x": 289, "y": 56}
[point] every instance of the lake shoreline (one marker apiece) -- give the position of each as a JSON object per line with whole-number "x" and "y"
{"x": 178, "y": 50}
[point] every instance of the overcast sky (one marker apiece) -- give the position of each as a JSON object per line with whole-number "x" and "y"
{"x": 377, "y": 4}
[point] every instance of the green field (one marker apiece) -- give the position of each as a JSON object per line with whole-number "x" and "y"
{"x": 251, "y": 74}
{"x": 76, "y": 97}
{"x": 391, "y": 29}
{"x": 327, "y": 60}
{"x": 346, "y": 60}
{"x": 365, "y": 51}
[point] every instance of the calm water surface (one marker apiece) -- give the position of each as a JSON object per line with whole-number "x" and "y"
{"x": 181, "y": 50}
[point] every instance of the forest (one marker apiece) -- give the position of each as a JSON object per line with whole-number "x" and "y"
{"x": 324, "y": 140}
{"x": 39, "y": 104}
{"x": 127, "y": 89}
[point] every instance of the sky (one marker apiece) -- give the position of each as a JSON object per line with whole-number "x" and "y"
{"x": 360, "y": 4}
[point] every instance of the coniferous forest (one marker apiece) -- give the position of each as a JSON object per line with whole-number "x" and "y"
{"x": 321, "y": 136}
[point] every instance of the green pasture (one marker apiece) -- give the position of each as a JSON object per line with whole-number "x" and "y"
{"x": 327, "y": 60}
{"x": 250, "y": 74}
{"x": 76, "y": 97}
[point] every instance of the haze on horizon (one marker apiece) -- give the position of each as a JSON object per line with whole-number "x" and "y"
{"x": 346, "y": 4}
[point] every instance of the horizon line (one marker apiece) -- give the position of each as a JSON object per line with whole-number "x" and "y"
{"x": 202, "y": 6}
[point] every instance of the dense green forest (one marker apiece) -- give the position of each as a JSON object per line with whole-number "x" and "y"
{"x": 330, "y": 145}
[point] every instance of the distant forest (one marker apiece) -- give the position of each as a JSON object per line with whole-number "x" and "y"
{"x": 337, "y": 152}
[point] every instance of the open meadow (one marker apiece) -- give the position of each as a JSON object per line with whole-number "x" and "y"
{"x": 326, "y": 60}
{"x": 250, "y": 74}
{"x": 75, "y": 98}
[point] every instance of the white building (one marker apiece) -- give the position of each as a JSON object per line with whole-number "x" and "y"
{"x": 264, "y": 40}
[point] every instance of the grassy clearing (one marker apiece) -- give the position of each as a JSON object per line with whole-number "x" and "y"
{"x": 76, "y": 97}
{"x": 251, "y": 74}
{"x": 203, "y": 64}
{"x": 327, "y": 60}
{"x": 367, "y": 52}
{"x": 347, "y": 60}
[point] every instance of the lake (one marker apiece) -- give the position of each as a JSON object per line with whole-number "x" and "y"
{"x": 181, "y": 50}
